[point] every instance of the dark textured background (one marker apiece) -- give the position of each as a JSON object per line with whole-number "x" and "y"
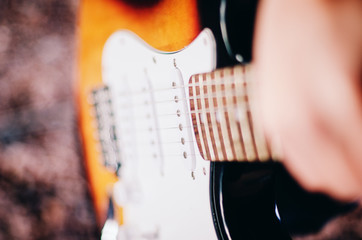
{"x": 43, "y": 190}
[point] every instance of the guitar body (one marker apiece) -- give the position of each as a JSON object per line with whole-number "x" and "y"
{"x": 143, "y": 162}
{"x": 168, "y": 26}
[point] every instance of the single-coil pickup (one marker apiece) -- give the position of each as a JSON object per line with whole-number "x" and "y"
{"x": 106, "y": 129}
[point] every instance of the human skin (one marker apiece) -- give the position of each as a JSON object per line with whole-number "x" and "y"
{"x": 307, "y": 59}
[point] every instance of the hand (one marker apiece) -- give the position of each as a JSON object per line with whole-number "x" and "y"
{"x": 308, "y": 57}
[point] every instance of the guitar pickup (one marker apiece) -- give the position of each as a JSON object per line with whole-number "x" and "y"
{"x": 106, "y": 128}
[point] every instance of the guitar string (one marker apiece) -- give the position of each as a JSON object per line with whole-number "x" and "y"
{"x": 136, "y": 142}
{"x": 216, "y": 110}
{"x": 178, "y": 115}
{"x": 206, "y": 96}
{"x": 209, "y": 81}
{"x": 214, "y": 95}
{"x": 160, "y": 130}
{"x": 183, "y": 100}
{"x": 175, "y": 87}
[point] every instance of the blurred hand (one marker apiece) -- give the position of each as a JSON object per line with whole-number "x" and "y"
{"x": 308, "y": 61}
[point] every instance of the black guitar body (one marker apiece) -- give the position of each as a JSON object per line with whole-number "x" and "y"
{"x": 262, "y": 201}
{"x": 256, "y": 200}
{"x": 244, "y": 198}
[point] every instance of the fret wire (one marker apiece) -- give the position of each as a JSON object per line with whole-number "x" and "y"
{"x": 223, "y": 121}
{"x": 215, "y": 131}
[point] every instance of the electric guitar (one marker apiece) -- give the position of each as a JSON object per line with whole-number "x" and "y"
{"x": 155, "y": 110}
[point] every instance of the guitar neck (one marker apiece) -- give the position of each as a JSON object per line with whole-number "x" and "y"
{"x": 222, "y": 116}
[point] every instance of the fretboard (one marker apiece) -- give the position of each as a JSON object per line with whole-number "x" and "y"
{"x": 223, "y": 118}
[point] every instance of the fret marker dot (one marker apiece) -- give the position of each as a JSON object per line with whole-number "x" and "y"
{"x": 183, "y": 141}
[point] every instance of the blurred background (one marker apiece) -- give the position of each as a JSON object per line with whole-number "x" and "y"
{"x": 43, "y": 188}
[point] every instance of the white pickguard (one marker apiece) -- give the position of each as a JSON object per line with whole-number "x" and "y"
{"x": 164, "y": 182}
